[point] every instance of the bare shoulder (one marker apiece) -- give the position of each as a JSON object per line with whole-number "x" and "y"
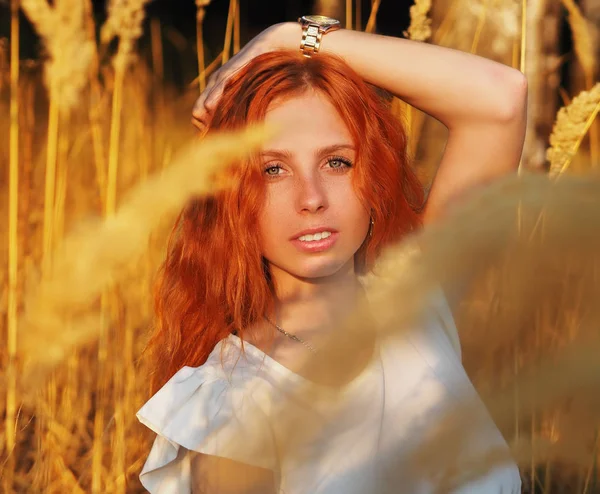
{"x": 217, "y": 475}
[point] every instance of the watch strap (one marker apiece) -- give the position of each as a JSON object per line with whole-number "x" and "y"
{"x": 312, "y": 35}
{"x": 311, "y": 39}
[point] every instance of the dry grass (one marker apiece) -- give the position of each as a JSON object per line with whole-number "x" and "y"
{"x": 583, "y": 33}
{"x": 100, "y": 251}
{"x": 200, "y": 13}
{"x": 572, "y": 123}
{"x": 529, "y": 323}
{"x": 420, "y": 24}
{"x": 69, "y": 48}
{"x": 582, "y": 38}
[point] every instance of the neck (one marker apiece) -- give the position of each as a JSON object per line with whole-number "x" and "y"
{"x": 308, "y": 307}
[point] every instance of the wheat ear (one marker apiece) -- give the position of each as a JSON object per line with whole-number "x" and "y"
{"x": 571, "y": 125}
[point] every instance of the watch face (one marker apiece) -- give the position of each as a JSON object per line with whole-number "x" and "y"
{"x": 323, "y": 20}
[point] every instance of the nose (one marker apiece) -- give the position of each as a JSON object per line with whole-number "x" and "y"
{"x": 311, "y": 194}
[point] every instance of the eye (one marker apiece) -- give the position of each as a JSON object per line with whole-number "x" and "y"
{"x": 339, "y": 163}
{"x": 273, "y": 170}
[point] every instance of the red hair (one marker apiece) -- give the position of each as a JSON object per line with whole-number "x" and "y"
{"x": 214, "y": 279}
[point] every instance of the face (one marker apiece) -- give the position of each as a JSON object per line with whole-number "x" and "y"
{"x": 308, "y": 171}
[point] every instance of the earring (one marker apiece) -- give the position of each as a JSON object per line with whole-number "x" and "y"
{"x": 371, "y": 224}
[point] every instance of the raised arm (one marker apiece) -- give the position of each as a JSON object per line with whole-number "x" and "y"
{"x": 482, "y": 103}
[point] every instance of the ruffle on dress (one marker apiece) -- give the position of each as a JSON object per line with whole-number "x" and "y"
{"x": 200, "y": 410}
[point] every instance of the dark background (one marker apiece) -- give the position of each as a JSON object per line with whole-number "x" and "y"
{"x": 178, "y": 29}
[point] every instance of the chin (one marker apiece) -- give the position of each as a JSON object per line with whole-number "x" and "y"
{"x": 318, "y": 268}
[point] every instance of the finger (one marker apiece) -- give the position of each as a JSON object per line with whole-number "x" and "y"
{"x": 213, "y": 97}
{"x": 209, "y": 102}
{"x": 199, "y": 122}
{"x": 201, "y": 118}
{"x": 199, "y": 125}
{"x": 199, "y": 108}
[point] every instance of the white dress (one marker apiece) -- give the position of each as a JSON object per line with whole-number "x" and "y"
{"x": 382, "y": 418}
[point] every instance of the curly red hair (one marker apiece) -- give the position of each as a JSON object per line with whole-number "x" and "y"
{"x": 214, "y": 280}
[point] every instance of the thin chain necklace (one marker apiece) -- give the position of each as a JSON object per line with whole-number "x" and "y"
{"x": 292, "y": 336}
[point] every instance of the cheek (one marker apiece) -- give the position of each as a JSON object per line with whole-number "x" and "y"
{"x": 271, "y": 213}
{"x": 272, "y": 221}
{"x": 348, "y": 204}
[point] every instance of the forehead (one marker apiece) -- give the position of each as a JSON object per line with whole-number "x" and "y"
{"x": 307, "y": 121}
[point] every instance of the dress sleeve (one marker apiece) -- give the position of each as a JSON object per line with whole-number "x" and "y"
{"x": 200, "y": 410}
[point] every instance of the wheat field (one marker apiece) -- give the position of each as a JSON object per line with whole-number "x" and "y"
{"x": 97, "y": 157}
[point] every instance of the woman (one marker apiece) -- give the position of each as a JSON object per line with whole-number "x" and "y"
{"x": 257, "y": 276}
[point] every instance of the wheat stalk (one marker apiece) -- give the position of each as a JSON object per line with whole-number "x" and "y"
{"x": 200, "y": 14}
{"x": 236, "y": 28}
{"x": 349, "y": 14}
{"x": 70, "y": 49}
{"x": 208, "y": 70}
{"x": 358, "y": 15}
{"x": 582, "y": 38}
{"x": 419, "y": 30}
{"x": 157, "y": 48}
{"x": 444, "y": 29}
{"x": 372, "y": 22}
{"x": 584, "y": 48}
{"x": 96, "y": 108}
{"x": 124, "y": 21}
{"x": 4, "y": 61}
{"x": 420, "y": 23}
{"x": 229, "y": 31}
{"x": 571, "y": 125}
{"x": 70, "y": 54}
{"x": 13, "y": 246}
{"x": 479, "y": 28}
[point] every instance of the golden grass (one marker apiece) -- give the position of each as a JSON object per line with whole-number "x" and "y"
{"x": 372, "y": 21}
{"x": 200, "y": 13}
{"x": 98, "y": 254}
{"x": 70, "y": 50}
{"x": 124, "y": 22}
{"x": 13, "y": 246}
{"x": 420, "y": 24}
{"x": 78, "y": 331}
{"x": 571, "y": 125}
{"x": 585, "y": 51}
{"x": 582, "y": 38}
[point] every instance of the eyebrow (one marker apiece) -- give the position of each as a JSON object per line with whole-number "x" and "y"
{"x": 275, "y": 153}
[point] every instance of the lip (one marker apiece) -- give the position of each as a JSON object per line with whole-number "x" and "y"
{"x": 316, "y": 245}
{"x": 311, "y": 231}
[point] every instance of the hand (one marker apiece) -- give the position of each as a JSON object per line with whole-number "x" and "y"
{"x": 264, "y": 42}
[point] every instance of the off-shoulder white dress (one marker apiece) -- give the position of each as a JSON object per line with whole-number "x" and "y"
{"x": 381, "y": 419}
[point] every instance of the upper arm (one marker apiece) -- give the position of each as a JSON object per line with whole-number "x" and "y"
{"x": 479, "y": 151}
{"x": 217, "y": 475}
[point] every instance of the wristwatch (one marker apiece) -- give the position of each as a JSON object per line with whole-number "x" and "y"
{"x": 313, "y": 29}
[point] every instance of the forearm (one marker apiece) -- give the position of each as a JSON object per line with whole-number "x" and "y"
{"x": 452, "y": 86}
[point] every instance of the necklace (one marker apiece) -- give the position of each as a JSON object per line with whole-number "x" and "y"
{"x": 292, "y": 336}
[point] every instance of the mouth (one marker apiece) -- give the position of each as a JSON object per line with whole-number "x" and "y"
{"x": 315, "y": 240}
